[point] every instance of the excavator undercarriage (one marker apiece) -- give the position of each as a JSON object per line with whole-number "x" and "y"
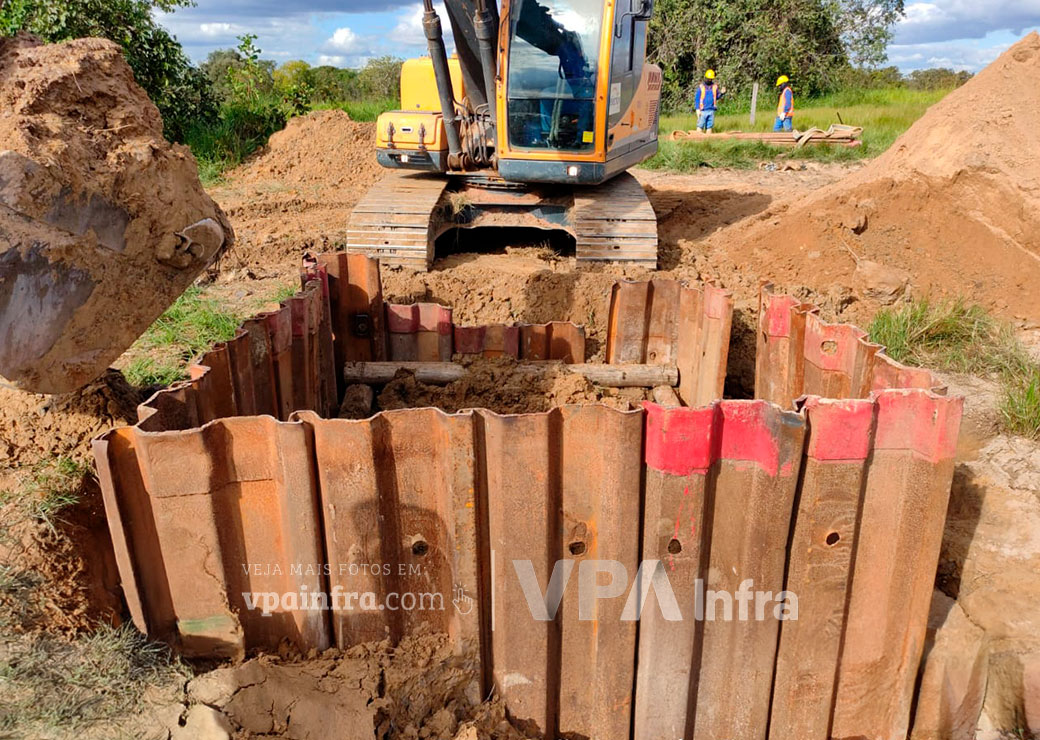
{"x": 401, "y": 219}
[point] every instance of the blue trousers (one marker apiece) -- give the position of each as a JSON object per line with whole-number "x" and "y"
{"x": 706, "y": 119}
{"x": 783, "y": 124}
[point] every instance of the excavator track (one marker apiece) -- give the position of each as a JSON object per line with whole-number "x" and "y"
{"x": 614, "y": 222}
{"x": 396, "y": 219}
{"x": 399, "y": 220}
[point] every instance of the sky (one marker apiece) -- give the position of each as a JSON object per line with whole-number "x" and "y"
{"x": 962, "y": 34}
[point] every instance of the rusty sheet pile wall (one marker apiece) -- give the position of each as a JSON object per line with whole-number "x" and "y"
{"x": 839, "y": 502}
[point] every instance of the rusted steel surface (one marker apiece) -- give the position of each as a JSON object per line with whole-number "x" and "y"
{"x": 401, "y": 489}
{"x": 557, "y": 340}
{"x": 356, "y": 305}
{"x": 901, "y": 527}
{"x": 665, "y": 322}
{"x": 493, "y": 340}
{"x": 420, "y": 332}
{"x": 819, "y": 565}
{"x": 579, "y": 500}
{"x": 800, "y": 354}
{"x": 199, "y": 517}
{"x": 838, "y": 501}
{"x": 757, "y": 477}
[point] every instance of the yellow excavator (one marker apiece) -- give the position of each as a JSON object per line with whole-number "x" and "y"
{"x": 533, "y": 123}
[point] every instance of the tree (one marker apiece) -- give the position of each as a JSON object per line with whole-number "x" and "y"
{"x": 745, "y": 41}
{"x": 161, "y": 67}
{"x": 381, "y": 78}
{"x": 866, "y": 28}
{"x": 333, "y": 84}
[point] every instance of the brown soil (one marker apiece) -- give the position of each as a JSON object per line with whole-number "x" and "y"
{"x": 105, "y": 224}
{"x": 62, "y": 576}
{"x": 36, "y": 428}
{"x": 416, "y": 689}
{"x": 296, "y": 195}
{"x": 955, "y": 202}
{"x": 493, "y": 384}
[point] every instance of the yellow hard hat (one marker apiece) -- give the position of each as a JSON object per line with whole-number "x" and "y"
{"x": 781, "y": 80}
{"x": 710, "y": 74}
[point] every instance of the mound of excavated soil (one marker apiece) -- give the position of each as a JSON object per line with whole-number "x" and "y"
{"x": 297, "y": 194}
{"x": 955, "y": 202}
{"x": 35, "y": 428}
{"x": 104, "y": 223}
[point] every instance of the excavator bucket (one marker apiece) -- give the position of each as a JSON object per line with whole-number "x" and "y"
{"x": 103, "y": 223}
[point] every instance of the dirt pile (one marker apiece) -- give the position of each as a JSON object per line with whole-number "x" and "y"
{"x": 416, "y": 689}
{"x": 104, "y": 223}
{"x": 955, "y": 202}
{"x": 297, "y": 194}
{"x": 36, "y": 428}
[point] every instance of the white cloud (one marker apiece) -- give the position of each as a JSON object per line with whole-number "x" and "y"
{"x": 958, "y": 56}
{"x": 217, "y": 29}
{"x": 409, "y": 29}
{"x": 343, "y": 40}
{"x": 332, "y": 60}
{"x": 947, "y": 20}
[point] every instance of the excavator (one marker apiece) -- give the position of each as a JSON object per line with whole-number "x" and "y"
{"x": 532, "y": 123}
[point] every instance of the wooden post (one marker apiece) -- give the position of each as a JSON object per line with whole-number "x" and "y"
{"x": 754, "y": 103}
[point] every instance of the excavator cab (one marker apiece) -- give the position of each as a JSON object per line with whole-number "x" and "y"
{"x": 532, "y": 124}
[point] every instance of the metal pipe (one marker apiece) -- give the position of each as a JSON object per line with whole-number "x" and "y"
{"x": 487, "y": 33}
{"x": 439, "y": 57}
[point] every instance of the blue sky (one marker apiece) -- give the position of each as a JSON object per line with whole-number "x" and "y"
{"x": 963, "y": 34}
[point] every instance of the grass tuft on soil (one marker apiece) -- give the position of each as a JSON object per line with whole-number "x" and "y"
{"x": 48, "y": 488}
{"x": 50, "y": 685}
{"x": 956, "y": 336}
{"x": 187, "y": 328}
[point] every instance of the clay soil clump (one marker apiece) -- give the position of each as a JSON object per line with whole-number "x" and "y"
{"x": 104, "y": 222}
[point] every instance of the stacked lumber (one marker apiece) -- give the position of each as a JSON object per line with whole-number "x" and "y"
{"x": 835, "y": 134}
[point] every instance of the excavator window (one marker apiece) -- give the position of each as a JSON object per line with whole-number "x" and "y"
{"x": 553, "y": 59}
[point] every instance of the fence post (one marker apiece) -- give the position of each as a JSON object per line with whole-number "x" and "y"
{"x": 754, "y": 103}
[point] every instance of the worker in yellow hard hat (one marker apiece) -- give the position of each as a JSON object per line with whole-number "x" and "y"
{"x": 784, "y": 105}
{"x": 706, "y": 102}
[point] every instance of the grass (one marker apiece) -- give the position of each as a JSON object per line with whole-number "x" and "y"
{"x": 188, "y": 328}
{"x": 48, "y": 488}
{"x": 884, "y": 115}
{"x": 360, "y": 110}
{"x": 49, "y": 685}
{"x": 960, "y": 337}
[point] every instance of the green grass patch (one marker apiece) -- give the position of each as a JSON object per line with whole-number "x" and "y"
{"x": 48, "y": 488}
{"x": 884, "y": 114}
{"x": 187, "y": 329}
{"x": 964, "y": 338}
{"x": 49, "y": 685}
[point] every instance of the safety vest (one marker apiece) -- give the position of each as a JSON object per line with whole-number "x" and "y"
{"x": 704, "y": 95}
{"x": 785, "y": 106}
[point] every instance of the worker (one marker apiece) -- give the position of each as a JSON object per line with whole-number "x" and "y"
{"x": 784, "y": 105}
{"x": 706, "y": 101}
